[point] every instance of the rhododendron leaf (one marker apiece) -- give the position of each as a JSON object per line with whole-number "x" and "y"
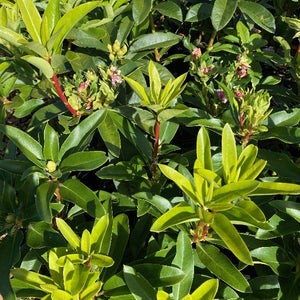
{"x": 230, "y": 236}
{"x": 207, "y": 290}
{"x": 203, "y": 149}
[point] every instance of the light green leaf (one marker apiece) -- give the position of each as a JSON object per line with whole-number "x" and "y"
{"x": 50, "y": 18}
{"x": 182, "y": 182}
{"x": 11, "y": 36}
{"x": 101, "y": 260}
{"x": 40, "y": 63}
{"x": 91, "y": 291}
{"x": 203, "y": 149}
{"x": 230, "y": 236}
{"x": 207, "y": 290}
{"x": 85, "y": 242}
{"x": 60, "y": 294}
{"x": 155, "y": 83}
{"x": 181, "y": 213}
{"x": 275, "y": 188}
{"x": 222, "y": 267}
{"x": 98, "y": 233}
{"x": 253, "y": 171}
{"x": 30, "y": 277}
{"x": 68, "y": 233}
{"x": 222, "y": 13}
{"x": 139, "y": 90}
{"x": 29, "y": 146}
{"x": 259, "y": 15}
{"x": 31, "y": 18}
{"x": 243, "y": 32}
{"x": 73, "y": 258}
{"x": 229, "y": 155}
{"x": 69, "y": 20}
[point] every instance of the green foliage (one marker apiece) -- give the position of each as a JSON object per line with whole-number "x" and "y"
{"x": 149, "y": 149}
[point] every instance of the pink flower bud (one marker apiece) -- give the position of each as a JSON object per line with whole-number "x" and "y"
{"x": 196, "y": 52}
{"x": 222, "y": 95}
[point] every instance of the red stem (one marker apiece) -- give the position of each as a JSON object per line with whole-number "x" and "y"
{"x": 204, "y": 232}
{"x": 241, "y": 121}
{"x": 62, "y": 96}
{"x": 156, "y": 145}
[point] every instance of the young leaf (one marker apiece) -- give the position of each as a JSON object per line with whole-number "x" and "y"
{"x": 101, "y": 260}
{"x": 229, "y": 155}
{"x": 51, "y": 144}
{"x": 162, "y": 295}
{"x": 31, "y": 18}
{"x": 207, "y": 290}
{"x": 50, "y": 18}
{"x": 230, "y": 236}
{"x": 181, "y": 213}
{"x": 182, "y": 182}
{"x": 68, "y": 233}
{"x": 85, "y": 242}
{"x": 275, "y": 188}
{"x": 139, "y": 90}
{"x": 11, "y": 36}
{"x": 91, "y": 291}
{"x": 155, "y": 83}
{"x": 222, "y": 267}
{"x": 203, "y": 149}
{"x": 68, "y": 21}
{"x": 98, "y": 233}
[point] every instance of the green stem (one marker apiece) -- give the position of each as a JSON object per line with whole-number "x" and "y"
{"x": 212, "y": 39}
{"x": 156, "y": 146}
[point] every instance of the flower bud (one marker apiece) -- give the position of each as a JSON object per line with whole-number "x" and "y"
{"x": 116, "y": 46}
{"x": 111, "y": 57}
{"x": 51, "y": 166}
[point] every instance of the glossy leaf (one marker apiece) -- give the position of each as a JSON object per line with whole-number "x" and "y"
{"x": 181, "y": 213}
{"x": 199, "y": 12}
{"x": 259, "y": 15}
{"x": 40, "y": 63}
{"x": 83, "y": 161}
{"x": 68, "y": 233}
{"x": 274, "y": 188}
{"x": 184, "y": 259}
{"x": 222, "y": 13}
{"x": 29, "y": 146}
{"x": 182, "y": 182}
{"x": 98, "y": 233}
{"x": 139, "y": 287}
{"x": 140, "y": 10}
{"x": 289, "y": 207}
{"x": 230, "y": 236}
{"x": 229, "y": 154}
{"x": 31, "y": 18}
{"x": 49, "y": 19}
{"x": 222, "y": 267}
{"x": 11, "y": 36}
{"x": 139, "y": 90}
{"x": 85, "y": 242}
{"x": 78, "y": 193}
{"x": 155, "y": 82}
{"x": 207, "y": 290}
{"x": 69, "y": 20}
{"x": 44, "y": 194}
{"x": 155, "y": 40}
{"x": 101, "y": 260}
{"x": 203, "y": 149}
{"x": 170, "y": 9}
{"x": 160, "y": 275}
{"x": 80, "y": 134}
{"x": 91, "y": 291}
{"x": 51, "y": 144}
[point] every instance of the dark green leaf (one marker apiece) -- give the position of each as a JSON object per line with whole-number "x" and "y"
{"x": 141, "y": 10}
{"x": 170, "y": 9}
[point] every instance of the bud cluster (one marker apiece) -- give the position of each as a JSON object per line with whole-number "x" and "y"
{"x": 116, "y": 51}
